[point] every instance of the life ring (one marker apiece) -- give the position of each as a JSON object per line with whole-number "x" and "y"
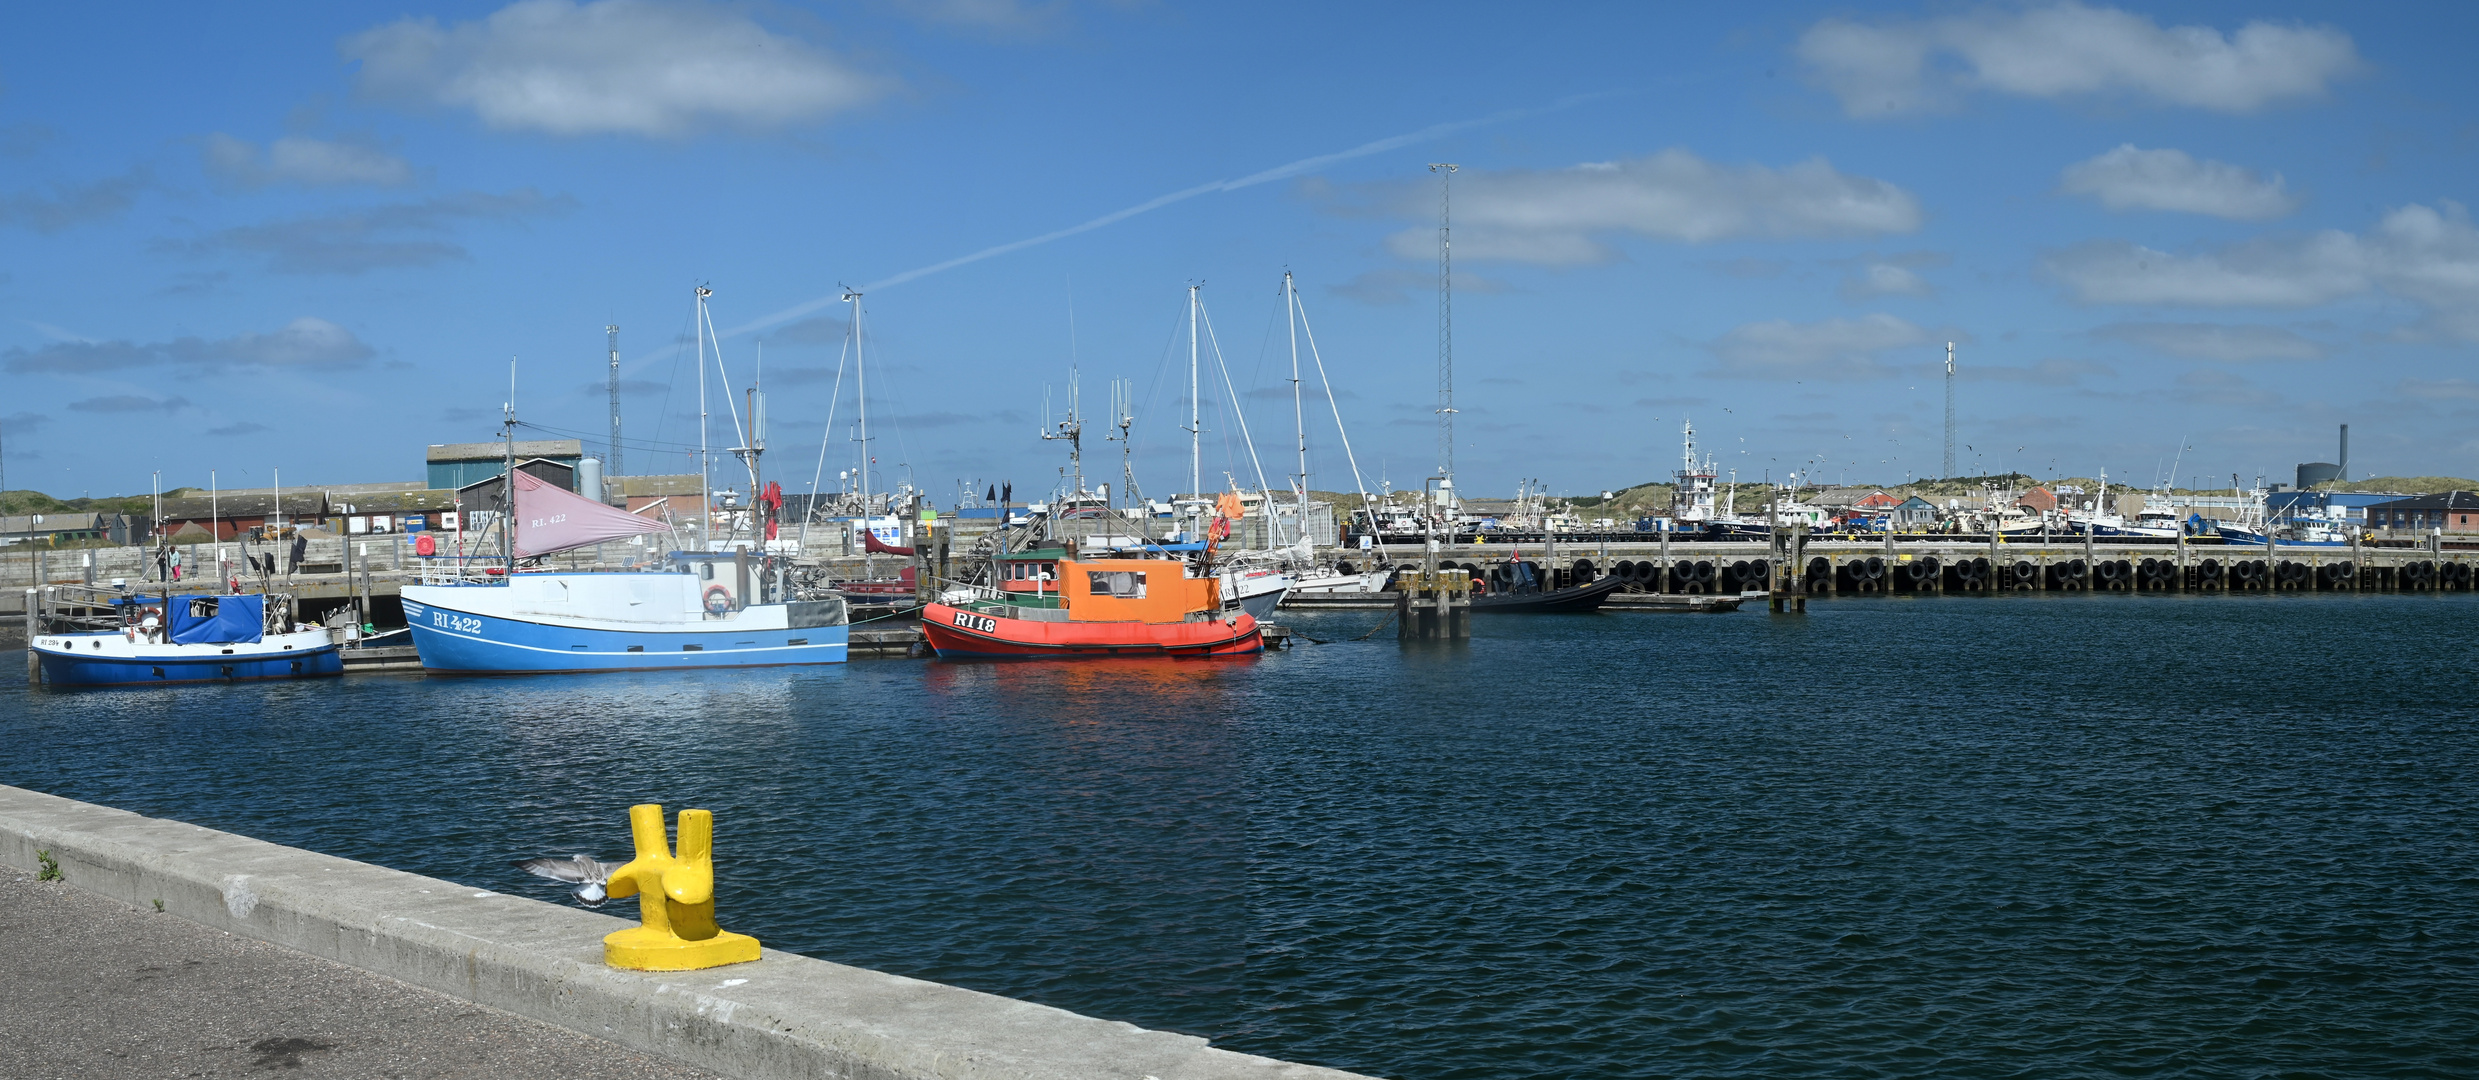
{"x": 718, "y": 600}
{"x": 424, "y": 546}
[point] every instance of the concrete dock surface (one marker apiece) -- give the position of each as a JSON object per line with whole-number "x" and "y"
{"x": 93, "y": 988}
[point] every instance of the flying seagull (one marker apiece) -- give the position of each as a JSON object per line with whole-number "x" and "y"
{"x": 585, "y": 872}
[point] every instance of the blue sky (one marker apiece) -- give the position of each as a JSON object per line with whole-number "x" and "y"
{"x": 310, "y": 238}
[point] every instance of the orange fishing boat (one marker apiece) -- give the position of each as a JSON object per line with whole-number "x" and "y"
{"x": 1101, "y": 608}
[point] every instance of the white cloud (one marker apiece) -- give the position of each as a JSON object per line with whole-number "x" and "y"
{"x": 2130, "y": 179}
{"x": 2069, "y": 49}
{"x": 2216, "y": 341}
{"x": 1397, "y": 286}
{"x": 305, "y": 343}
{"x": 1831, "y": 349}
{"x": 996, "y": 16}
{"x": 2051, "y": 371}
{"x": 130, "y": 403}
{"x": 2442, "y": 389}
{"x": 2429, "y": 255}
{"x": 2284, "y": 273}
{"x": 637, "y": 67}
{"x": 295, "y": 159}
{"x": 1556, "y": 216}
{"x": 1883, "y": 279}
{"x": 389, "y": 236}
{"x": 76, "y": 204}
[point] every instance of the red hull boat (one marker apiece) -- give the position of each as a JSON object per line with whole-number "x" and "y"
{"x": 1108, "y": 608}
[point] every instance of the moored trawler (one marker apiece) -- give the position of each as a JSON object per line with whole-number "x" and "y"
{"x": 707, "y": 610}
{"x": 1098, "y": 609}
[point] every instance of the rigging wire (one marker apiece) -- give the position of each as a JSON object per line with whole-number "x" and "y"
{"x": 1359, "y": 481}
{"x": 680, "y": 348}
{"x": 1236, "y": 414}
{"x": 824, "y": 437}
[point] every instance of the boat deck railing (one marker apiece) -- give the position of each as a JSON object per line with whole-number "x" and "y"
{"x": 460, "y": 570}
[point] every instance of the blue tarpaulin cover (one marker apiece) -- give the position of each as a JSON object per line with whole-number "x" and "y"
{"x": 233, "y": 619}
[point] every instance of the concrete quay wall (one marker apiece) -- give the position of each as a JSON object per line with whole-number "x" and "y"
{"x": 780, "y": 1016}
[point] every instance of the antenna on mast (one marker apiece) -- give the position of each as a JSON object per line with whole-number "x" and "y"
{"x": 614, "y": 464}
{"x": 1949, "y": 410}
{"x": 1445, "y": 326}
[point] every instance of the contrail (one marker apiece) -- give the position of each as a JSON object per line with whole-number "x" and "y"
{"x": 1251, "y": 180}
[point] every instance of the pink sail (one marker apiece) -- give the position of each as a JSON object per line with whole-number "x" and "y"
{"x": 552, "y": 519}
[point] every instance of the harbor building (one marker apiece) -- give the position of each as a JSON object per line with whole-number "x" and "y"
{"x": 2451, "y": 511}
{"x": 70, "y": 526}
{"x": 228, "y": 515}
{"x": 456, "y": 465}
{"x": 673, "y": 495}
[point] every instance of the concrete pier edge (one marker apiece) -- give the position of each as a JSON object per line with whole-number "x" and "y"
{"x": 781, "y": 1016}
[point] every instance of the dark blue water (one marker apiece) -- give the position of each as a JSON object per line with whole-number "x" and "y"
{"x": 2018, "y": 836}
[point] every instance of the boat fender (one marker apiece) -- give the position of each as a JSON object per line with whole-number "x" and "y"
{"x": 718, "y": 600}
{"x": 131, "y": 633}
{"x": 424, "y": 546}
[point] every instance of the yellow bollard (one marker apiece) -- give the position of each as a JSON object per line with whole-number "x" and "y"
{"x": 675, "y": 897}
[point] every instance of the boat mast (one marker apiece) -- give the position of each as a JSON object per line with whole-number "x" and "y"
{"x": 860, "y": 371}
{"x": 1196, "y": 445}
{"x": 1122, "y": 400}
{"x": 507, "y": 479}
{"x": 705, "y": 481}
{"x": 1299, "y": 424}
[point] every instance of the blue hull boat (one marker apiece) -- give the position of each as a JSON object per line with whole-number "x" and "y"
{"x": 65, "y": 665}
{"x": 2245, "y": 537}
{"x": 201, "y": 639}
{"x": 709, "y": 610}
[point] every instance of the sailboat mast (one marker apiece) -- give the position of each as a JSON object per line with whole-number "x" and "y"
{"x": 1196, "y": 445}
{"x": 860, "y": 371}
{"x": 705, "y": 481}
{"x": 1299, "y": 422}
{"x": 507, "y": 478}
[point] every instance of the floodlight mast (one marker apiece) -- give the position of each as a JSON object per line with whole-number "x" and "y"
{"x": 612, "y": 467}
{"x": 1445, "y": 326}
{"x": 1949, "y": 409}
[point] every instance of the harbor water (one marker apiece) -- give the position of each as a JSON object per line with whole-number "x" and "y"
{"x": 2071, "y": 835}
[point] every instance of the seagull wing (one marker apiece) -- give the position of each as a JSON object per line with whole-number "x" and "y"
{"x": 574, "y": 869}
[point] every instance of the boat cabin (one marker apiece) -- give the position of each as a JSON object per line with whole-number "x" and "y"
{"x": 1135, "y": 590}
{"x": 1033, "y": 571}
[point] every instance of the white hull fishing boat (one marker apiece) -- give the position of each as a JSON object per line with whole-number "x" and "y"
{"x": 202, "y": 639}
{"x": 1255, "y": 590}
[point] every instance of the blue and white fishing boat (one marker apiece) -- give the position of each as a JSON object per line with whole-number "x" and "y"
{"x": 198, "y": 639}
{"x": 704, "y": 610}
{"x": 695, "y": 615}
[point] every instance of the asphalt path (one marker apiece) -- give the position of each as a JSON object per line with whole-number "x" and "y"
{"x": 93, "y": 988}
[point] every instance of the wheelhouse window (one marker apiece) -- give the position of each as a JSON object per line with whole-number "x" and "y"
{"x": 1123, "y": 584}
